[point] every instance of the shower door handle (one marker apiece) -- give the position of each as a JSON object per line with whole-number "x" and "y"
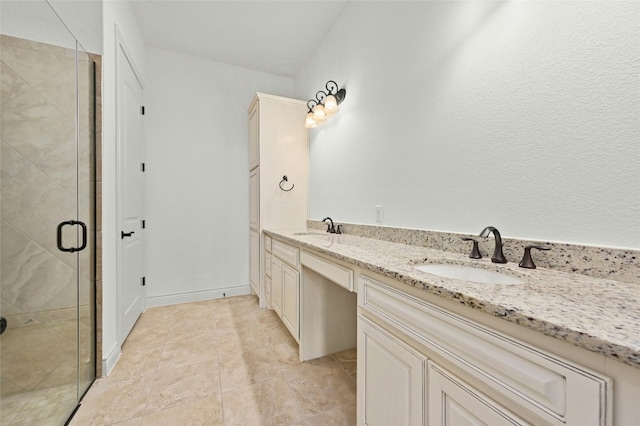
{"x": 84, "y": 236}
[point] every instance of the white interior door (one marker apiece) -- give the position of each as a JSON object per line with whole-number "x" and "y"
{"x": 131, "y": 255}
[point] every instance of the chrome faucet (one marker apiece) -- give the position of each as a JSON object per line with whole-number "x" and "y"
{"x": 498, "y": 256}
{"x": 330, "y": 227}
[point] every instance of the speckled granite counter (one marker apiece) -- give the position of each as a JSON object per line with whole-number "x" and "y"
{"x": 599, "y": 315}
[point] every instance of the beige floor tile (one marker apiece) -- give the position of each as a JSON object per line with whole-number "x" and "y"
{"x": 344, "y": 415}
{"x": 183, "y": 385}
{"x": 224, "y": 362}
{"x": 136, "y": 361}
{"x": 202, "y": 412}
{"x": 266, "y": 403}
{"x": 133, "y": 422}
{"x": 192, "y": 334}
{"x": 191, "y": 352}
{"x": 320, "y": 387}
{"x": 232, "y": 346}
{"x": 348, "y": 360}
{"x": 248, "y": 368}
{"x": 111, "y": 402}
{"x": 287, "y": 353}
{"x": 144, "y": 338}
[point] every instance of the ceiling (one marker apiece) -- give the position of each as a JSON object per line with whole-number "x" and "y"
{"x": 276, "y": 37}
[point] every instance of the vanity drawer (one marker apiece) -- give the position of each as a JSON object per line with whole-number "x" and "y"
{"x": 267, "y": 243}
{"x": 552, "y": 388}
{"x": 336, "y": 273}
{"x": 286, "y": 253}
{"x": 267, "y": 264}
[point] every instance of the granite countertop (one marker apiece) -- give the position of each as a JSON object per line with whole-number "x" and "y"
{"x": 599, "y": 315}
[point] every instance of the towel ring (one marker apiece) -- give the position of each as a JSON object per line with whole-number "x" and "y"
{"x": 285, "y": 179}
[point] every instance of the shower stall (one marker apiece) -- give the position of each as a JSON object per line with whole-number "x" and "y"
{"x": 48, "y": 216}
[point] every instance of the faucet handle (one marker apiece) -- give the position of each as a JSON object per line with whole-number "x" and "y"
{"x": 526, "y": 261}
{"x": 338, "y": 229}
{"x": 475, "y": 252}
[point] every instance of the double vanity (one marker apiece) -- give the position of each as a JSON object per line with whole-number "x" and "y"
{"x": 444, "y": 339}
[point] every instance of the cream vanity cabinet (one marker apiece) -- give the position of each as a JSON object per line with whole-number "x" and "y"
{"x": 285, "y": 284}
{"x": 391, "y": 378}
{"x": 278, "y": 146}
{"x": 421, "y": 364}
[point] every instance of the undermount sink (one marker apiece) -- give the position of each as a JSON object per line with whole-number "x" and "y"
{"x": 468, "y": 273}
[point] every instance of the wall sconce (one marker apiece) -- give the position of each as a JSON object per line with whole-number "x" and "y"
{"x": 324, "y": 105}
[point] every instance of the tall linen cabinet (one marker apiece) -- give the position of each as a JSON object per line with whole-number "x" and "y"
{"x": 278, "y": 147}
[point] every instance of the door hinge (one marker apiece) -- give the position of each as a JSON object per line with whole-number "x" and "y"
{"x": 144, "y": 281}
{"x": 143, "y": 223}
{"x": 142, "y": 166}
{"x": 142, "y": 110}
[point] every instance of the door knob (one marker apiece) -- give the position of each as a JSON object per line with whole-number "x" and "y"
{"x": 126, "y": 234}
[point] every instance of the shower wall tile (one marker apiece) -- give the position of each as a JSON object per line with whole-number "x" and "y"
{"x": 86, "y": 104}
{"x": 33, "y": 203}
{"x": 56, "y": 315}
{"x": 43, "y": 136}
{"x": 98, "y": 255}
{"x": 7, "y": 308}
{"x": 99, "y": 326}
{"x": 8, "y": 41}
{"x": 60, "y": 92}
{"x": 11, "y": 85}
{"x": 98, "y": 88}
{"x": 7, "y": 388}
{"x": 35, "y": 67}
{"x": 32, "y": 279}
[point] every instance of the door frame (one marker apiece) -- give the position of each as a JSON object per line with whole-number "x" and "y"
{"x": 121, "y": 45}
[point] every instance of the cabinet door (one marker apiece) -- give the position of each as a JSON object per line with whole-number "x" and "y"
{"x": 276, "y": 286}
{"x": 454, "y": 403}
{"x": 254, "y": 139}
{"x": 291, "y": 299}
{"x": 254, "y": 261}
{"x": 254, "y": 199}
{"x": 267, "y": 290}
{"x": 391, "y": 379}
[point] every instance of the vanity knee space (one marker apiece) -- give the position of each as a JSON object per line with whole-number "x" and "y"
{"x": 313, "y": 297}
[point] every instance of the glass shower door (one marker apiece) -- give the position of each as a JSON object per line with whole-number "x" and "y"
{"x": 86, "y": 200}
{"x": 46, "y": 203}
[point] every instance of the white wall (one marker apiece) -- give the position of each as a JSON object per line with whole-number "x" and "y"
{"x": 84, "y": 19}
{"x": 114, "y": 13}
{"x": 458, "y": 115}
{"x": 35, "y": 20}
{"x": 197, "y": 175}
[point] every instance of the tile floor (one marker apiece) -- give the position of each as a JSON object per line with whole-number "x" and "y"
{"x": 219, "y": 362}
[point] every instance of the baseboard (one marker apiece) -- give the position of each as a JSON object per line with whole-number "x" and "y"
{"x": 196, "y": 296}
{"x": 110, "y": 360}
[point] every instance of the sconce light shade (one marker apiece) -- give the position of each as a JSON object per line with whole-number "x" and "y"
{"x": 318, "y": 113}
{"x": 330, "y": 105}
{"x": 310, "y": 122}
